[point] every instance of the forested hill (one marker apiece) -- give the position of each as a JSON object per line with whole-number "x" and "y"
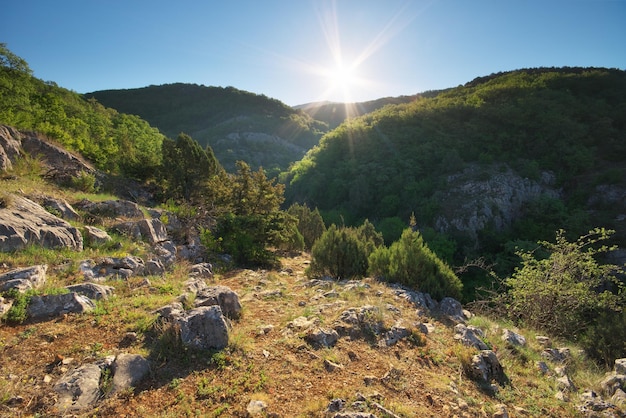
{"x": 334, "y": 113}
{"x": 508, "y": 157}
{"x": 238, "y": 125}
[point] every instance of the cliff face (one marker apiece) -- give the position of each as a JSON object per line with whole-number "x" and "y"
{"x": 480, "y": 197}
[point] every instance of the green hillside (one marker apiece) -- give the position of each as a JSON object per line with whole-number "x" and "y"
{"x": 115, "y": 142}
{"x": 236, "y": 124}
{"x": 559, "y": 133}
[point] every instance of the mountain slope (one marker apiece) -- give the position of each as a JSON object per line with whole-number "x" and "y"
{"x": 238, "y": 125}
{"x": 512, "y": 156}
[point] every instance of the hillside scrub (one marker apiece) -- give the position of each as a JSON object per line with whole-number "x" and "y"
{"x": 410, "y": 262}
{"x": 569, "y": 294}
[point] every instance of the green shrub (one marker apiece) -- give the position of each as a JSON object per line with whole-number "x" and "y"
{"x": 409, "y": 261}
{"x": 84, "y": 182}
{"x": 18, "y": 311}
{"x": 342, "y": 252}
{"x": 310, "y": 223}
{"x": 569, "y": 294}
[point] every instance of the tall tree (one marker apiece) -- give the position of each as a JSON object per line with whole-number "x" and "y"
{"x": 187, "y": 168}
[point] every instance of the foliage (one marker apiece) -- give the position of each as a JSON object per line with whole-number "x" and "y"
{"x": 18, "y": 311}
{"x": 84, "y": 182}
{"x": 567, "y": 293}
{"x": 115, "y": 142}
{"x": 409, "y": 261}
{"x": 249, "y": 219}
{"x": 310, "y": 223}
{"x": 341, "y": 252}
{"x": 236, "y": 124}
{"x": 399, "y": 158}
{"x": 187, "y": 168}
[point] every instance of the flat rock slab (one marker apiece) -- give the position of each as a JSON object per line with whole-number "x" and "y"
{"x": 79, "y": 388}
{"x": 24, "y": 279}
{"x": 42, "y": 307}
{"x": 24, "y": 222}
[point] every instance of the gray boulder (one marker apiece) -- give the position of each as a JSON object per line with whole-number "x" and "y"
{"x": 154, "y": 267}
{"x": 153, "y": 230}
{"x": 223, "y": 296}
{"x": 322, "y": 337}
{"x": 556, "y": 355}
{"x": 10, "y": 146}
{"x": 485, "y": 368}
{"x": 620, "y": 366}
{"x": 96, "y": 236}
{"x": 79, "y": 388}
{"x": 204, "y": 328}
{"x": 61, "y": 164}
{"x": 24, "y": 222}
{"x": 202, "y": 270}
{"x": 128, "y": 371}
{"x": 513, "y": 338}
{"x": 470, "y": 336}
{"x": 453, "y": 309}
{"x": 41, "y": 307}
{"x": 92, "y": 290}
{"x": 60, "y": 208}
{"x": 394, "y": 335}
{"x": 24, "y": 279}
{"x": 104, "y": 268}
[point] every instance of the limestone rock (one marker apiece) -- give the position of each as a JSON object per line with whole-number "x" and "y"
{"x": 55, "y": 305}
{"x": 62, "y": 165}
{"x": 122, "y": 267}
{"x": 153, "y": 230}
{"x": 128, "y": 371}
{"x": 453, "y": 309}
{"x": 394, "y": 335}
{"x": 556, "y": 355}
{"x": 79, "y": 388}
{"x": 96, "y": 236}
{"x": 322, "y": 337}
{"x": 223, "y": 296}
{"x": 513, "y": 338}
{"x": 204, "y": 328}
{"x": 25, "y": 223}
{"x": 92, "y": 290}
{"x": 486, "y": 368}
{"x": 112, "y": 209}
{"x": 612, "y": 383}
{"x": 10, "y": 146}
{"x": 60, "y": 208}
{"x": 24, "y": 279}
{"x": 256, "y": 407}
{"x": 355, "y": 322}
{"x": 470, "y": 336}
{"x": 154, "y": 267}
{"x": 202, "y": 270}
{"x": 620, "y": 366}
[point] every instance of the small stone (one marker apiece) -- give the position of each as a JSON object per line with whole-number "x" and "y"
{"x": 47, "y": 378}
{"x": 256, "y": 407}
{"x": 331, "y": 366}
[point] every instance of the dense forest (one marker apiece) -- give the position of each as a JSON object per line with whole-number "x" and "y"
{"x": 236, "y": 124}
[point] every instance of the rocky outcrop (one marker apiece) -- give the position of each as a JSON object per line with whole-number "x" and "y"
{"x": 111, "y": 209}
{"x": 43, "y": 307}
{"x": 470, "y": 336}
{"x": 486, "y": 367}
{"x": 24, "y": 222}
{"x": 121, "y": 267}
{"x": 24, "y": 279}
{"x": 92, "y": 290}
{"x": 479, "y": 197}
{"x": 96, "y": 236}
{"x": 10, "y": 146}
{"x": 60, "y": 208}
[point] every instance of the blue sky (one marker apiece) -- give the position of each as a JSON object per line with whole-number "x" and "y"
{"x": 300, "y": 51}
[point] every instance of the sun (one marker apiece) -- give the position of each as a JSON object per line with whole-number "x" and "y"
{"x": 342, "y": 80}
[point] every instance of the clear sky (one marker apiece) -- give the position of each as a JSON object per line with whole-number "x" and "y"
{"x": 300, "y": 51}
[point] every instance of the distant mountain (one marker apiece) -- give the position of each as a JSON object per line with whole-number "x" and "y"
{"x": 334, "y": 113}
{"x": 238, "y": 125}
{"x": 505, "y": 158}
